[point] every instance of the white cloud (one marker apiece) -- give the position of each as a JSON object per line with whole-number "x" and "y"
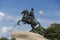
{"x": 1, "y": 15}
{"x": 6, "y": 16}
{"x": 6, "y": 29}
{"x": 41, "y": 12}
{"x": 10, "y": 17}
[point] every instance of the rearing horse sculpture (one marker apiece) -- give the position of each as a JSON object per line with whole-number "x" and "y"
{"x": 27, "y": 18}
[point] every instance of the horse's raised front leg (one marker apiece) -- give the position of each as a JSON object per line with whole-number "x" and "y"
{"x": 18, "y": 23}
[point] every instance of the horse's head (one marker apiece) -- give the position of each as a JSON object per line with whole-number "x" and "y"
{"x": 24, "y": 12}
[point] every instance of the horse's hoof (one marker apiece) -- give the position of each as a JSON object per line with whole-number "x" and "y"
{"x": 31, "y": 30}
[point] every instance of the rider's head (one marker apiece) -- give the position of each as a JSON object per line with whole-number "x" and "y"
{"x": 32, "y": 9}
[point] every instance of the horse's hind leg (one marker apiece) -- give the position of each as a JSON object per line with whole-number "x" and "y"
{"x": 32, "y": 28}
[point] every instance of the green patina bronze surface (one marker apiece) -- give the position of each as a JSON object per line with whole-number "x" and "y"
{"x": 29, "y": 18}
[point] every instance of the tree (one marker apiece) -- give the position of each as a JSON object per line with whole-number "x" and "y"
{"x": 13, "y": 39}
{"x": 53, "y": 32}
{"x": 3, "y": 38}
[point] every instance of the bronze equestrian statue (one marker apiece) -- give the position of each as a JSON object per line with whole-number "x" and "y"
{"x": 29, "y": 18}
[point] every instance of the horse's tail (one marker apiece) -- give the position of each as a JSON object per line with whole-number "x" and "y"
{"x": 42, "y": 31}
{"x": 39, "y": 24}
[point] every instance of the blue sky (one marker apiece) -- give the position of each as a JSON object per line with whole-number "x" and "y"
{"x": 46, "y": 12}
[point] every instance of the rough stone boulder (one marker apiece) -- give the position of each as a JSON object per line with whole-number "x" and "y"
{"x": 27, "y": 36}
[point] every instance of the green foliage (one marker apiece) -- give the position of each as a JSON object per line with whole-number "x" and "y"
{"x": 3, "y": 38}
{"x": 53, "y": 32}
{"x": 13, "y": 39}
